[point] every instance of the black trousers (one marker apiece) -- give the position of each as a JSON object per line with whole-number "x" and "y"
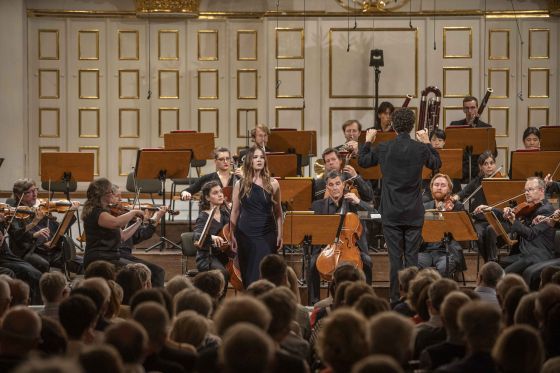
{"x": 403, "y": 241}
{"x": 206, "y": 262}
{"x": 487, "y": 241}
{"x": 24, "y": 271}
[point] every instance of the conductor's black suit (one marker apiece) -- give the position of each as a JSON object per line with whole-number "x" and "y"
{"x": 401, "y": 208}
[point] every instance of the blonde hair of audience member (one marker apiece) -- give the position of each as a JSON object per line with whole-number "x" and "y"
{"x": 519, "y": 349}
{"x": 246, "y": 348}
{"x": 405, "y": 276}
{"x": 195, "y": 300}
{"x": 144, "y": 272}
{"x": 259, "y": 287}
{"x": 342, "y": 340}
{"x": 115, "y": 300}
{"x": 370, "y": 305}
{"x": 430, "y": 273}
{"x": 178, "y": 283}
{"x": 391, "y": 334}
{"x": 190, "y": 327}
{"x": 480, "y": 324}
{"x": 507, "y": 282}
{"x": 525, "y": 313}
{"x": 450, "y": 308}
{"x": 130, "y": 339}
{"x": 242, "y": 308}
{"x": 355, "y": 290}
{"x": 5, "y": 297}
{"x": 53, "y": 364}
{"x": 53, "y": 287}
{"x": 377, "y": 364}
{"x": 101, "y": 358}
{"x": 552, "y": 365}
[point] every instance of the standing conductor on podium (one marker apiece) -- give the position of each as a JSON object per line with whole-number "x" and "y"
{"x": 401, "y": 208}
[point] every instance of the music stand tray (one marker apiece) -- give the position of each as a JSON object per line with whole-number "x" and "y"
{"x": 62, "y": 227}
{"x": 299, "y": 142}
{"x": 496, "y": 191}
{"x": 525, "y": 164}
{"x": 282, "y": 165}
{"x": 451, "y": 164}
{"x": 498, "y": 227}
{"x": 475, "y": 140}
{"x": 200, "y": 143}
{"x": 67, "y": 166}
{"x": 550, "y": 137}
{"x": 297, "y": 192}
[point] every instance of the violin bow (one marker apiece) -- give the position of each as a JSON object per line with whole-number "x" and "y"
{"x": 480, "y": 186}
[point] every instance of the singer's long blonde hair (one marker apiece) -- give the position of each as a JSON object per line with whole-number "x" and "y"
{"x": 246, "y": 184}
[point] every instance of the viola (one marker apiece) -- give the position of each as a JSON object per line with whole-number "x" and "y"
{"x": 525, "y": 209}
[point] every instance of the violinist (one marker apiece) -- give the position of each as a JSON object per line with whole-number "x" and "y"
{"x": 145, "y": 230}
{"x": 223, "y": 175}
{"x": 433, "y": 254}
{"x": 104, "y": 232}
{"x": 487, "y": 237}
{"x": 30, "y": 238}
{"x": 551, "y": 185}
{"x": 332, "y": 205}
{"x": 536, "y": 241}
{"x": 384, "y": 112}
{"x": 209, "y": 256}
{"x": 333, "y": 162}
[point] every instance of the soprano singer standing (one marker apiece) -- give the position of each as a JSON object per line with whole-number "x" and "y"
{"x": 401, "y": 208}
{"x": 256, "y": 217}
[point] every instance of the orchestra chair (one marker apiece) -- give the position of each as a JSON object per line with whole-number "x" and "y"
{"x": 189, "y": 251}
{"x": 145, "y": 186}
{"x": 185, "y": 183}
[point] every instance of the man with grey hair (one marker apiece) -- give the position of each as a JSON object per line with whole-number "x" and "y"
{"x": 19, "y": 334}
{"x": 486, "y": 282}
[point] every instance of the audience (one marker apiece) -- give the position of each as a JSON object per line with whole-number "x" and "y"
{"x": 53, "y": 290}
{"x": 507, "y": 282}
{"x": 101, "y": 268}
{"x": 403, "y": 305}
{"x": 5, "y": 297}
{"x": 78, "y": 316}
{"x": 54, "y": 340}
{"x": 178, "y": 283}
{"x": 191, "y": 328}
{"x": 510, "y": 303}
{"x": 101, "y": 358}
{"x": 19, "y": 334}
{"x": 486, "y": 282}
{"x": 518, "y": 349}
{"x": 130, "y": 340}
{"x": 377, "y": 364}
{"x": 20, "y": 292}
{"x": 195, "y": 300}
{"x": 525, "y": 313}
{"x": 246, "y": 348}
{"x": 391, "y": 334}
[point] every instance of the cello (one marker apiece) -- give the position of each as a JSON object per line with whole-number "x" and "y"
{"x": 345, "y": 245}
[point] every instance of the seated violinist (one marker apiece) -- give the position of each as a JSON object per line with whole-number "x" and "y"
{"x": 145, "y": 230}
{"x": 209, "y": 256}
{"x": 536, "y": 241}
{"x": 433, "y": 254}
{"x": 30, "y": 239}
{"x": 223, "y": 174}
{"x": 332, "y": 205}
{"x": 333, "y": 162}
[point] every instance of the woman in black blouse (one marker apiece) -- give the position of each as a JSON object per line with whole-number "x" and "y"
{"x": 104, "y": 232}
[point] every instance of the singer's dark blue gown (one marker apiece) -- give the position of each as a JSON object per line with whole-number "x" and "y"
{"x": 256, "y": 232}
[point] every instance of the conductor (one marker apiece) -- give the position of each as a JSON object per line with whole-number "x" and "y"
{"x": 401, "y": 208}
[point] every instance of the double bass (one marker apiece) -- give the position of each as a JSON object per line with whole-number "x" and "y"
{"x": 345, "y": 245}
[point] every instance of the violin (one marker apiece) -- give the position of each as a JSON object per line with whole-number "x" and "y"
{"x": 117, "y": 209}
{"x": 21, "y": 212}
{"x": 525, "y": 209}
{"x": 446, "y": 205}
{"x": 60, "y": 206}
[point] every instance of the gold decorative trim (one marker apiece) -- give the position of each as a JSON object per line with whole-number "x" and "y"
{"x": 97, "y": 125}
{"x": 41, "y": 71}
{"x": 416, "y": 62}
{"x": 537, "y": 69}
{"x": 530, "y": 109}
{"x": 57, "y": 111}
{"x": 501, "y": 70}
{"x": 162, "y": 109}
{"x": 491, "y": 56}
{"x": 535, "y": 30}
{"x": 176, "y": 72}
{"x": 208, "y": 58}
{"x": 137, "y": 34}
{"x": 123, "y": 71}
{"x": 301, "y": 94}
{"x": 96, "y": 71}
{"x": 168, "y": 58}
{"x": 337, "y": 108}
{"x": 256, "y": 90}
{"x": 96, "y": 33}
{"x": 50, "y": 149}
{"x": 48, "y": 31}
{"x": 450, "y": 108}
{"x": 255, "y": 45}
{"x": 301, "y": 55}
{"x": 121, "y": 148}
{"x": 278, "y": 109}
{"x": 499, "y": 108}
{"x": 246, "y": 111}
{"x": 456, "y": 68}
{"x": 95, "y": 149}
{"x": 214, "y": 72}
{"x": 121, "y": 111}
{"x": 209, "y": 110}
{"x": 184, "y": 8}
{"x": 456, "y": 29}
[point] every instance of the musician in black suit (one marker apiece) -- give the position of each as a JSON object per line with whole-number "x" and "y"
{"x": 329, "y": 206}
{"x": 402, "y": 211}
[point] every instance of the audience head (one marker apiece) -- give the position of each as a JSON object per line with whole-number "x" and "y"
{"x": 406, "y": 275}
{"x": 210, "y": 282}
{"x": 490, "y": 274}
{"x": 391, "y": 334}
{"x": 20, "y": 331}
{"x": 53, "y": 287}
{"x": 347, "y": 272}
{"x": 355, "y": 290}
{"x": 259, "y": 287}
{"x": 144, "y": 272}
{"x": 146, "y": 295}
{"x": 130, "y": 281}
{"x": 50, "y": 365}
{"x": 552, "y": 365}
{"x": 507, "y": 282}
{"x": 519, "y": 349}
{"x": 274, "y": 268}
{"x": 510, "y": 303}
{"x": 130, "y": 340}
{"x": 450, "y": 308}
{"x": 246, "y": 348}
{"x": 546, "y": 275}
{"x": 480, "y": 324}
{"x": 282, "y": 308}
{"x": 20, "y": 293}
{"x": 370, "y": 305}
{"x": 101, "y": 358}
{"x": 190, "y": 327}
{"x": 195, "y": 300}
{"x": 115, "y": 300}
{"x": 178, "y": 283}
{"x": 377, "y": 364}
{"x": 153, "y": 317}
{"x": 78, "y": 315}
{"x": 338, "y": 299}
{"x": 342, "y": 340}
{"x": 101, "y": 268}
{"x": 100, "y": 286}
{"x": 241, "y": 308}
{"x": 437, "y": 293}
{"x": 53, "y": 337}
{"x": 525, "y": 313}
{"x": 5, "y": 297}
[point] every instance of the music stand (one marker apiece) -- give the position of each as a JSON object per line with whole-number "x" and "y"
{"x": 282, "y": 165}
{"x": 304, "y": 227}
{"x": 474, "y": 141}
{"x": 201, "y": 144}
{"x": 525, "y": 164}
{"x": 498, "y": 228}
{"x": 62, "y": 228}
{"x": 451, "y": 164}
{"x": 498, "y": 192}
{"x": 302, "y": 143}
{"x": 372, "y": 173}
{"x": 161, "y": 165}
{"x": 550, "y": 137}
{"x": 444, "y": 226}
{"x": 297, "y": 192}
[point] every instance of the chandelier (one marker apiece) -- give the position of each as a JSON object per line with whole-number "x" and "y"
{"x": 372, "y": 6}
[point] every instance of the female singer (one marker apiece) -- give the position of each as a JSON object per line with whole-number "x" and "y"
{"x": 256, "y": 217}
{"x": 486, "y": 236}
{"x": 532, "y": 138}
{"x": 209, "y": 256}
{"x": 104, "y": 231}
{"x": 384, "y": 112}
